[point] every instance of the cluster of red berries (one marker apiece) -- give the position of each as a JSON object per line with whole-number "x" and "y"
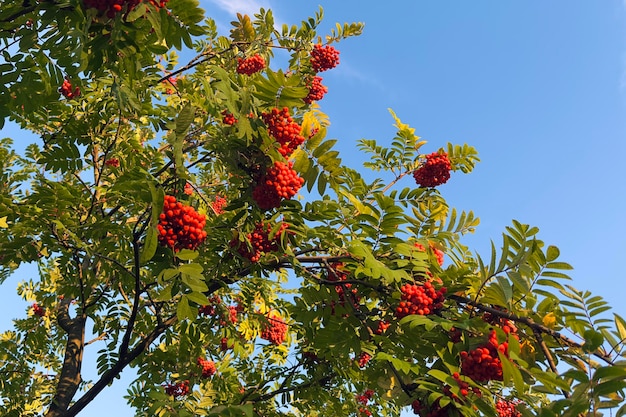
{"x": 180, "y": 226}
{"x": 363, "y": 359}
{"x": 438, "y": 252}
{"x": 160, "y": 4}
{"x": 218, "y": 205}
{"x": 420, "y": 299}
{"x": 179, "y": 389}
{"x": 324, "y": 58}
{"x": 455, "y": 334}
{"x": 435, "y": 171}
{"x": 506, "y": 408}
{"x": 279, "y": 182}
{"x": 381, "y": 327}
{"x": 249, "y": 66}
{"x": 281, "y": 127}
{"x": 66, "y": 90}
{"x": 345, "y": 292}
{"x": 112, "y": 162}
{"x": 225, "y": 345}
{"x": 275, "y": 330}
{"x": 505, "y": 324}
{"x": 483, "y": 363}
{"x": 208, "y": 367}
{"x": 316, "y": 90}
{"x": 464, "y": 389}
{"x": 260, "y": 241}
{"x": 364, "y": 412}
{"x": 38, "y": 310}
{"x": 434, "y": 410}
{"x": 111, "y": 7}
{"x": 188, "y": 189}
{"x": 209, "y": 309}
{"x": 228, "y": 118}
{"x": 170, "y": 83}
{"x": 365, "y": 397}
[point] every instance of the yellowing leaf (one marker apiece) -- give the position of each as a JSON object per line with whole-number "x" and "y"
{"x": 549, "y": 320}
{"x": 3, "y": 222}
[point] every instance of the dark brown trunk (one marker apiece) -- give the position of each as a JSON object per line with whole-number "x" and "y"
{"x": 70, "y": 377}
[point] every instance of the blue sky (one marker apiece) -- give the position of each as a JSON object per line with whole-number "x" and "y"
{"x": 539, "y": 88}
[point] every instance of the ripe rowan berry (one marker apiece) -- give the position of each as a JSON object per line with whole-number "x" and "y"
{"x": 324, "y": 58}
{"x": 249, "y": 66}
{"x": 363, "y": 359}
{"x": 506, "y": 408}
{"x": 281, "y": 127}
{"x": 275, "y": 330}
{"x": 260, "y": 241}
{"x": 178, "y": 389}
{"x": 316, "y": 90}
{"x": 180, "y": 226}
{"x": 66, "y": 90}
{"x": 438, "y": 253}
{"x": 38, "y": 310}
{"x": 483, "y": 363}
{"x": 112, "y": 162}
{"x": 228, "y": 118}
{"x": 218, "y": 205}
{"x": 278, "y": 183}
{"x": 111, "y": 7}
{"x": 420, "y": 299}
{"x": 434, "y": 171}
{"x": 208, "y": 367}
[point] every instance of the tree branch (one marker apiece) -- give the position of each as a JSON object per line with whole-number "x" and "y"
{"x": 530, "y": 323}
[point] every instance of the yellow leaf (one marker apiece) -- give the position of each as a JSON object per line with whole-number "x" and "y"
{"x": 549, "y": 320}
{"x": 3, "y": 222}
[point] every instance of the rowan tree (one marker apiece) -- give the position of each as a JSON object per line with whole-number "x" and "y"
{"x": 196, "y": 219}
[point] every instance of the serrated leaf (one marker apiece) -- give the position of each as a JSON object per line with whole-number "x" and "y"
{"x": 184, "y": 310}
{"x": 193, "y": 270}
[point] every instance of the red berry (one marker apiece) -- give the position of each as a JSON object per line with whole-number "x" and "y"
{"x": 218, "y": 205}
{"x": 316, "y": 90}
{"x": 181, "y": 227}
{"x": 208, "y": 367}
{"x": 281, "y": 127}
{"x": 324, "y": 58}
{"x": 275, "y": 330}
{"x": 66, "y": 90}
{"x": 506, "y": 408}
{"x": 260, "y": 241}
{"x": 420, "y": 299}
{"x": 177, "y": 390}
{"x": 279, "y": 182}
{"x": 363, "y": 359}
{"x": 435, "y": 171}
{"x": 38, "y": 310}
{"x": 249, "y": 66}
{"x": 228, "y": 119}
{"x": 113, "y": 162}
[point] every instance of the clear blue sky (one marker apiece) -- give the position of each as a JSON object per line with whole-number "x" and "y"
{"x": 539, "y": 88}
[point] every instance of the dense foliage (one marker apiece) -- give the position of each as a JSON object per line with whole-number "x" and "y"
{"x": 192, "y": 221}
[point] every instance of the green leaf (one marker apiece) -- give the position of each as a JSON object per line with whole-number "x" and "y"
{"x": 184, "y": 310}
{"x": 193, "y": 270}
{"x": 194, "y": 283}
{"x": 593, "y": 340}
{"x": 198, "y": 298}
{"x": 187, "y": 254}
{"x": 149, "y": 246}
